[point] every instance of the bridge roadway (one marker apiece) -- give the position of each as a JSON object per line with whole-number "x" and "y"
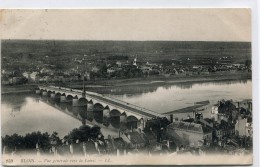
{"x": 105, "y": 99}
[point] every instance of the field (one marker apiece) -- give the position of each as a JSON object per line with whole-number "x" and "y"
{"x": 30, "y": 51}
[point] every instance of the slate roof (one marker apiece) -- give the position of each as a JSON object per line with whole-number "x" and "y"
{"x": 189, "y": 126}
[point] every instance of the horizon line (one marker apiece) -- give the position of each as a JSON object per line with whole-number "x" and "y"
{"x": 109, "y": 40}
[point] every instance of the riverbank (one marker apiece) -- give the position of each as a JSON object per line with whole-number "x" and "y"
{"x": 5, "y": 90}
{"x": 220, "y": 76}
{"x": 154, "y": 80}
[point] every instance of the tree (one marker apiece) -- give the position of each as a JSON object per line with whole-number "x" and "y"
{"x": 55, "y": 140}
{"x": 95, "y": 131}
{"x": 84, "y": 133}
{"x": 28, "y": 141}
{"x": 13, "y": 142}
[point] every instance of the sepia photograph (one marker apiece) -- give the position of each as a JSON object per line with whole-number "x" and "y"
{"x": 126, "y": 86}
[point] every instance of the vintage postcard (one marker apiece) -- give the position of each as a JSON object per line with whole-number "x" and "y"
{"x": 126, "y": 86}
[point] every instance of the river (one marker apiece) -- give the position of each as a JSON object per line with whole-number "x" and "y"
{"x": 24, "y": 113}
{"x": 162, "y": 97}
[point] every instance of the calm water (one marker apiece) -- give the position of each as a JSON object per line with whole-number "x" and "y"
{"x": 25, "y": 113}
{"x": 170, "y": 97}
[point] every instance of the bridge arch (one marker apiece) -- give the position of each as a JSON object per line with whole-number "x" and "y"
{"x": 69, "y": 97}
{"x": 106, "y": 116}
{"x": 83, "y": 101}
{"x": 42, "y": 90}
{"x": 98, "y": 106}
{"x": 115, "y": 113}
{"x": 98, "y": 112}
{"x": 49, "y": 93}
{"x": 131, "y": 122}
{"x": 57, "y": 95}
{"x": 115, "y": 118}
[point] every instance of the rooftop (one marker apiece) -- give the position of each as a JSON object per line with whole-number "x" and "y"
{"x": 189, "y": 126}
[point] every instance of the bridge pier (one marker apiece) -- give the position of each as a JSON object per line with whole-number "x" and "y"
{"x": 90, "y": 106}
{"x": 106, "y": 112}
{"x": 63, "y": 99}
{"x": 38, "y": 91}
{"x": 75, "y": 102}
{"x": 142, "y": 124}
{"x": 106, "y": 117}
{"x": 53, "y": 95}
{"x": 123, "y": 118}
{"x": 44, "y": 93}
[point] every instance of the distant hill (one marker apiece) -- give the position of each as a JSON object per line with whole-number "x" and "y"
{"x": 153, "y": 51}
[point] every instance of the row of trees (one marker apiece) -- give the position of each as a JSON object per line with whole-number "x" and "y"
{"x": 29, "y": 141}
{"x": 45, "y": 140}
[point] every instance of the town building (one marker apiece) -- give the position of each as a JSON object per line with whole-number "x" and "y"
{"x": 189, "y": 133}
{"x": 243, "y": 127}
{"x": 134, "y": 139}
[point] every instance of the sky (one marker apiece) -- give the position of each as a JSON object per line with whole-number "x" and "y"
{"x": 208, "y": 24}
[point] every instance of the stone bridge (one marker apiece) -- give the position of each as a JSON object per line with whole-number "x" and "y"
{"x": 107, "y": 107}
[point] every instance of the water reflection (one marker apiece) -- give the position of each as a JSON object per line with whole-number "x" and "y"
{"x": 83, "y": 113}
{"x": 14, "y": 102}
{"x": 34, "y": 115}
{"x": 167, "y": 98}
{"x": 24, "y": 113}
{"x": 149, "y": 88}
